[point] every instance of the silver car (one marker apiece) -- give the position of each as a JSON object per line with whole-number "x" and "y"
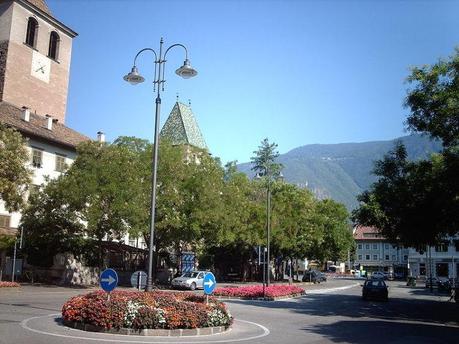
{"x": 190, "y": 280}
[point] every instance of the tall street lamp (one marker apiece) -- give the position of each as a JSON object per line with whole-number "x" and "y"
{"x": 269, "y": 178}
{"x": 134, "y": 78}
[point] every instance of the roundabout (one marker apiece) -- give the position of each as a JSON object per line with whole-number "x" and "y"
{"x": 52, "y": 325}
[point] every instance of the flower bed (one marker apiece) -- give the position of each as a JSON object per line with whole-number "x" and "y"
{"x": 256, "y": 291}
{"x": 146, "y": 310}
{"x": 9, "y": 285}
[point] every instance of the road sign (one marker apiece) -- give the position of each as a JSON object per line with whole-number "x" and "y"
{"x": 108, "y": 280}
{"x": 209, "y": 283}
{"x": 139, "y": 279}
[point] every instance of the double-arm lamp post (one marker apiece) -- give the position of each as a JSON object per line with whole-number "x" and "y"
{"x": 134, "y": 78}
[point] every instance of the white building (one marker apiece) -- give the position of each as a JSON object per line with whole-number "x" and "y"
{"x": 442, "y": 260}
{"x": 375, "y": 253}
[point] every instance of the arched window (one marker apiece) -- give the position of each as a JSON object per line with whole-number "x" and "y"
{"x": 32, "y": 30}
{"x": 53, "y": 50}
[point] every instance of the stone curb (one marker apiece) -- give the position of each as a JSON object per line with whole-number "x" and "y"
{"x": 291, "y": 296}
{"x": 203, "y": 331}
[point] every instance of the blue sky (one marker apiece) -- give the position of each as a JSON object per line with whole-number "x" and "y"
{"x": 297, "y": 72}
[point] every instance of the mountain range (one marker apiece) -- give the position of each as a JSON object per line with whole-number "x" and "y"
{"x": 342, "y": 171}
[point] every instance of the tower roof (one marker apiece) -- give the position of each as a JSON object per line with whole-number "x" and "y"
{"x": 181, "y": 127}
{"x": 41, "y": 5}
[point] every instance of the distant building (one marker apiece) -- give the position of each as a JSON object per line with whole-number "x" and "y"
{"x": 376, "y": 253}
{"x": 442, "y": 260}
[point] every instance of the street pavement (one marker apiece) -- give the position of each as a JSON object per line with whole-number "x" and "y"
{"x": 331, "y": 312}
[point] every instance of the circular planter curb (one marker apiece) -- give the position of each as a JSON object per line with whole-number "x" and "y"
{"x": 291, "y": 296}
{"x": 202, "y": 331}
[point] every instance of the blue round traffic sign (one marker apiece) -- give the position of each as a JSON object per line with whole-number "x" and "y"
{"x": 108, "y": 280}
{"x": 209, "y": 283}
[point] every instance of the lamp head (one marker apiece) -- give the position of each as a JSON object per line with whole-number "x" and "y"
{"x": 134, "y": 77}
{"x": 186, "y": 71}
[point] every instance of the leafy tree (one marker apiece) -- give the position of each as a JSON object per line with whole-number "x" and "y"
{"x": 337, "y": 239}
{"x": 415, "y": 203}
{"x": 14, "y": 174}
{"x": 51, "y": 225}
{"x": 434, "y": 100}
{"x": 264, "y": 160}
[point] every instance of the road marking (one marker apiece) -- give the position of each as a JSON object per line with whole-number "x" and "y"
{"x": 330, "y": 290}
{"x": 24, "y": 325}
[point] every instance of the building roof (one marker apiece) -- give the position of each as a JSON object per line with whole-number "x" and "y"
{"x": 368, "y": 233}
{"x": 37, "y": 127}
{"x": 41, "y": 5}
{"x": 181, "y": 127}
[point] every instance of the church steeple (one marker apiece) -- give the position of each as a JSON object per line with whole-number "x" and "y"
{"x": 181, "y": 127}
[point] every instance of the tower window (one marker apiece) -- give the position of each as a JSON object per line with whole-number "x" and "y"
{"x": 32, "y": 30}
{"x": 53, "y": 50}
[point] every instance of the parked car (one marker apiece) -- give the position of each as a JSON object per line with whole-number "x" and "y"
{"x": 190, "y": 280}
{"x": 375, "y": 289}
{"x": 312, "y": 276}
{"x": 379, "y": 275}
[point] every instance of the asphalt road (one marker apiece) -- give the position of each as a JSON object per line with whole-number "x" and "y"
{"x": 332, "y": 312}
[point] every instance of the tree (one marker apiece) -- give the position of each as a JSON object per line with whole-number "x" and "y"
{"x": 434, "y": 100}
{"x": 416, "y": 203}
{"x": 101, "y": 190}
{"x": 338, "y": 239}
{"x": 14, "y": 173}
{"x": 264, "y": 160}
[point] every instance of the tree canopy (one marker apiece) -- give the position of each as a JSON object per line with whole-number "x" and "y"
{"x": 416, "y": 203}
{"x": 14, "y": 173}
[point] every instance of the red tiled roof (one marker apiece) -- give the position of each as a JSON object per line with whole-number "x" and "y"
{"x": 41, "y": 5}
{"x": 367, "y": 233}
{"x": 36, "y": 127}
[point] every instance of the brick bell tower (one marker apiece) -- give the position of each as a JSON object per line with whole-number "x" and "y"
{"x": 35, "y": 52}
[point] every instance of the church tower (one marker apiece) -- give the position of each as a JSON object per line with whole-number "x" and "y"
{"x": 35, "y": 52}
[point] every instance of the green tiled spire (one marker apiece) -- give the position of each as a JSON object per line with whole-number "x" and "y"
{"x": 181, "y": 127}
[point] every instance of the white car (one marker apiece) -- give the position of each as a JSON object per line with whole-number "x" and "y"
{"x": 190, "y": 280}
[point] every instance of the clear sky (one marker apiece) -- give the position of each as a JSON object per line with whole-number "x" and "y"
{"x": 297, "y": 72}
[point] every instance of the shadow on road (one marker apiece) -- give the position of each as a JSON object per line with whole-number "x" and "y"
{"x": 352, "y": 306}
{"x": 378, "y": 331}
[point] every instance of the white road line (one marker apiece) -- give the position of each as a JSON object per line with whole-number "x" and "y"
{"x": 24, "y": 325}
{"x": 330, "y": 290}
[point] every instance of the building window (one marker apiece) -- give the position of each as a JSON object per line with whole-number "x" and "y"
{"x": 393, "y": 257}
{"x": 32, "y": 30}
{"x": 405, "y": 257}
{"x": 359, "y": 246}
{"x": 375, "y": 257}
{"x": 367, "y": 246}
{"x": 5, "y": 221}
{"x": 375, "y": 246}
{"x": 360, "y": 257}
{"x": 456, "y": 244}
{"x": 443, "y": 247}
{"x": 37, "y": 158}
{"x": 60, "y": 163}
{"x": 386, "y": 246}
{"x": 53, "y": 50}
{"x": 387, "y": 257}
{"x": 367, "y": 257}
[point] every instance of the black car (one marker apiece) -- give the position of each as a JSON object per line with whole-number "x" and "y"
{"x": 375, "y": 289}
{"x": 312, "y": 276}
